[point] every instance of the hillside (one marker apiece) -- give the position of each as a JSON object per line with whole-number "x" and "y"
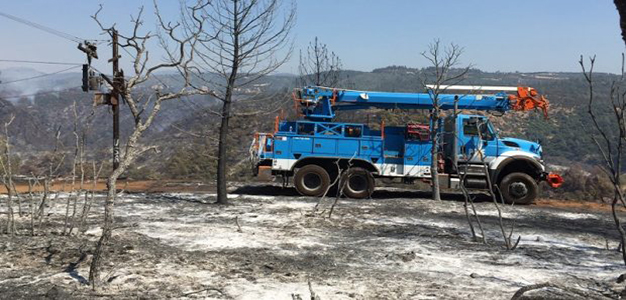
{"x": 564, "y": 136}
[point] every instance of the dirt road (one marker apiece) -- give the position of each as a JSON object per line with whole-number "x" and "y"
{"x": 269, "y": 244}
{"x": 182, "y": 186}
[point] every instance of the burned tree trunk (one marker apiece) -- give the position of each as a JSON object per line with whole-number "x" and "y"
{"x": 611, "y": 148}
{"x": 107, "y": 227}
{"x": 241, "y": 47}
{"x": 222, "y": 192}
{"x": 443, "y": 61}
{"x": 144, "y": 109}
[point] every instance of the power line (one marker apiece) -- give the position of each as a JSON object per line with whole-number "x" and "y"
{"x": 39, "y": 62}
{"x": 128, "y": 52}
{"x": 43, "y": 28}
{"x": 35, "y": 94}
{"x": 58, "y": 33}
{"x": 39, "y": 76}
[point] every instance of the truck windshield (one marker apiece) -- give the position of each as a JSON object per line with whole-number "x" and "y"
{"x": 492, "y": 129}
{"x": 486, "y": 131}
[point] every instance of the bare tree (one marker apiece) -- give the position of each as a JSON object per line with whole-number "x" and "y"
{"x": 89, "y": 196}
{"x": 444, "y": 61}
{"x": 610, "y": 147}
{"x": 319, "y": 66}
{"x": 7, "y": 178}
{"x": 53, "y": 164}
{"x": 469, "y": 203}
{"x": 78, "y": 169}
{"x": 339, "y": 183}
{"x": 251, "y": 41}
{"x": 145, "y": 108}
{"x": 494, "y": 192}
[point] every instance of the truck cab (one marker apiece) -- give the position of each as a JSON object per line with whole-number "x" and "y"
{"x": 479, "y": 156}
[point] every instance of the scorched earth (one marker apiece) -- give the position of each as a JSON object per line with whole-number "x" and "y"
{"x": 270, "y": 243}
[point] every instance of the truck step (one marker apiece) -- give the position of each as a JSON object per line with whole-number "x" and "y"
{"x": 472, "y": 170}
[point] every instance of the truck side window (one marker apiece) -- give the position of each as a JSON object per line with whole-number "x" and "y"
{"x": 268, "y": 145}
{"x": 306, "y": 128}
{"x": 470, "y": 127}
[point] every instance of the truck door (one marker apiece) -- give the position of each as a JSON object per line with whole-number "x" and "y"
{"x": 476, "y": 134}
{"x": 489, "y": 140}
{"x": 393, "y": 149}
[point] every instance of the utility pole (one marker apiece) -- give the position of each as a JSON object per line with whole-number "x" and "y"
{"x": 93, "y": 83}
{"x": 118, "y": 81}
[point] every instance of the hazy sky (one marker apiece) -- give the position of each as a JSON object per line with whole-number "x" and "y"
{"x": 526, "y": 36}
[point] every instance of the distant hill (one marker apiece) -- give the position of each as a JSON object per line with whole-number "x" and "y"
{"x": 17, "y": 82}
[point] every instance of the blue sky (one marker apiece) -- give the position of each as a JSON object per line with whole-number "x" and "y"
{"x": 526, "y": 36}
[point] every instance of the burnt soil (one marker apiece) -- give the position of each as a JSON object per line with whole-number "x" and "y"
{"x": 270, "y": 243}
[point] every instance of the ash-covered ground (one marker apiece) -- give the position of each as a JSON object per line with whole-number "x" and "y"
{"x": 269, "y": 243}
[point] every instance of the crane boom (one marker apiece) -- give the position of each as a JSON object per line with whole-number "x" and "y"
{"x": 320, "y": 103}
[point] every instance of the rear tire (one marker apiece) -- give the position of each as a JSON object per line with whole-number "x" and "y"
{"x": 312, "y": 180}
{"x": 518, "y": 188}
{"x": 357, "y": 183}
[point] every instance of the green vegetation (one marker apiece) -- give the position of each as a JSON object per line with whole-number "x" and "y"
{"x": 191, "y": 163}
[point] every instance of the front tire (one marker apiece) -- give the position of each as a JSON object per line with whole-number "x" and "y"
{"x": 357, "y": 183}
{"x": 518, "y": 188}
{"x": 312, "y": 180}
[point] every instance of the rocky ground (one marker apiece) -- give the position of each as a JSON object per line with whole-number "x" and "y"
{"x": 270, "y": 243}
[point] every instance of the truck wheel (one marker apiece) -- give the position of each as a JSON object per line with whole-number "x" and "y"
{"x": 518, "y": 188}
{"x": 312, "y": 180}
{"x": 357, "y": 183}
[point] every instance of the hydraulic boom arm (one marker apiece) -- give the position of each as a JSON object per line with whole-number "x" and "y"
{"x": 320, "y": 103}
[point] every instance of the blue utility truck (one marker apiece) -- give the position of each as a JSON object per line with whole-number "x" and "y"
{"x": 318, "y": 152}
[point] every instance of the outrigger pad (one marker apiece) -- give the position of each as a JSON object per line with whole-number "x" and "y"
{"x": 554, "y": 180}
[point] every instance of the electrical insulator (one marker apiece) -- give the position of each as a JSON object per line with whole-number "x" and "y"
{"x": 94, "y": 82}
{"x": 91, "y": 82}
